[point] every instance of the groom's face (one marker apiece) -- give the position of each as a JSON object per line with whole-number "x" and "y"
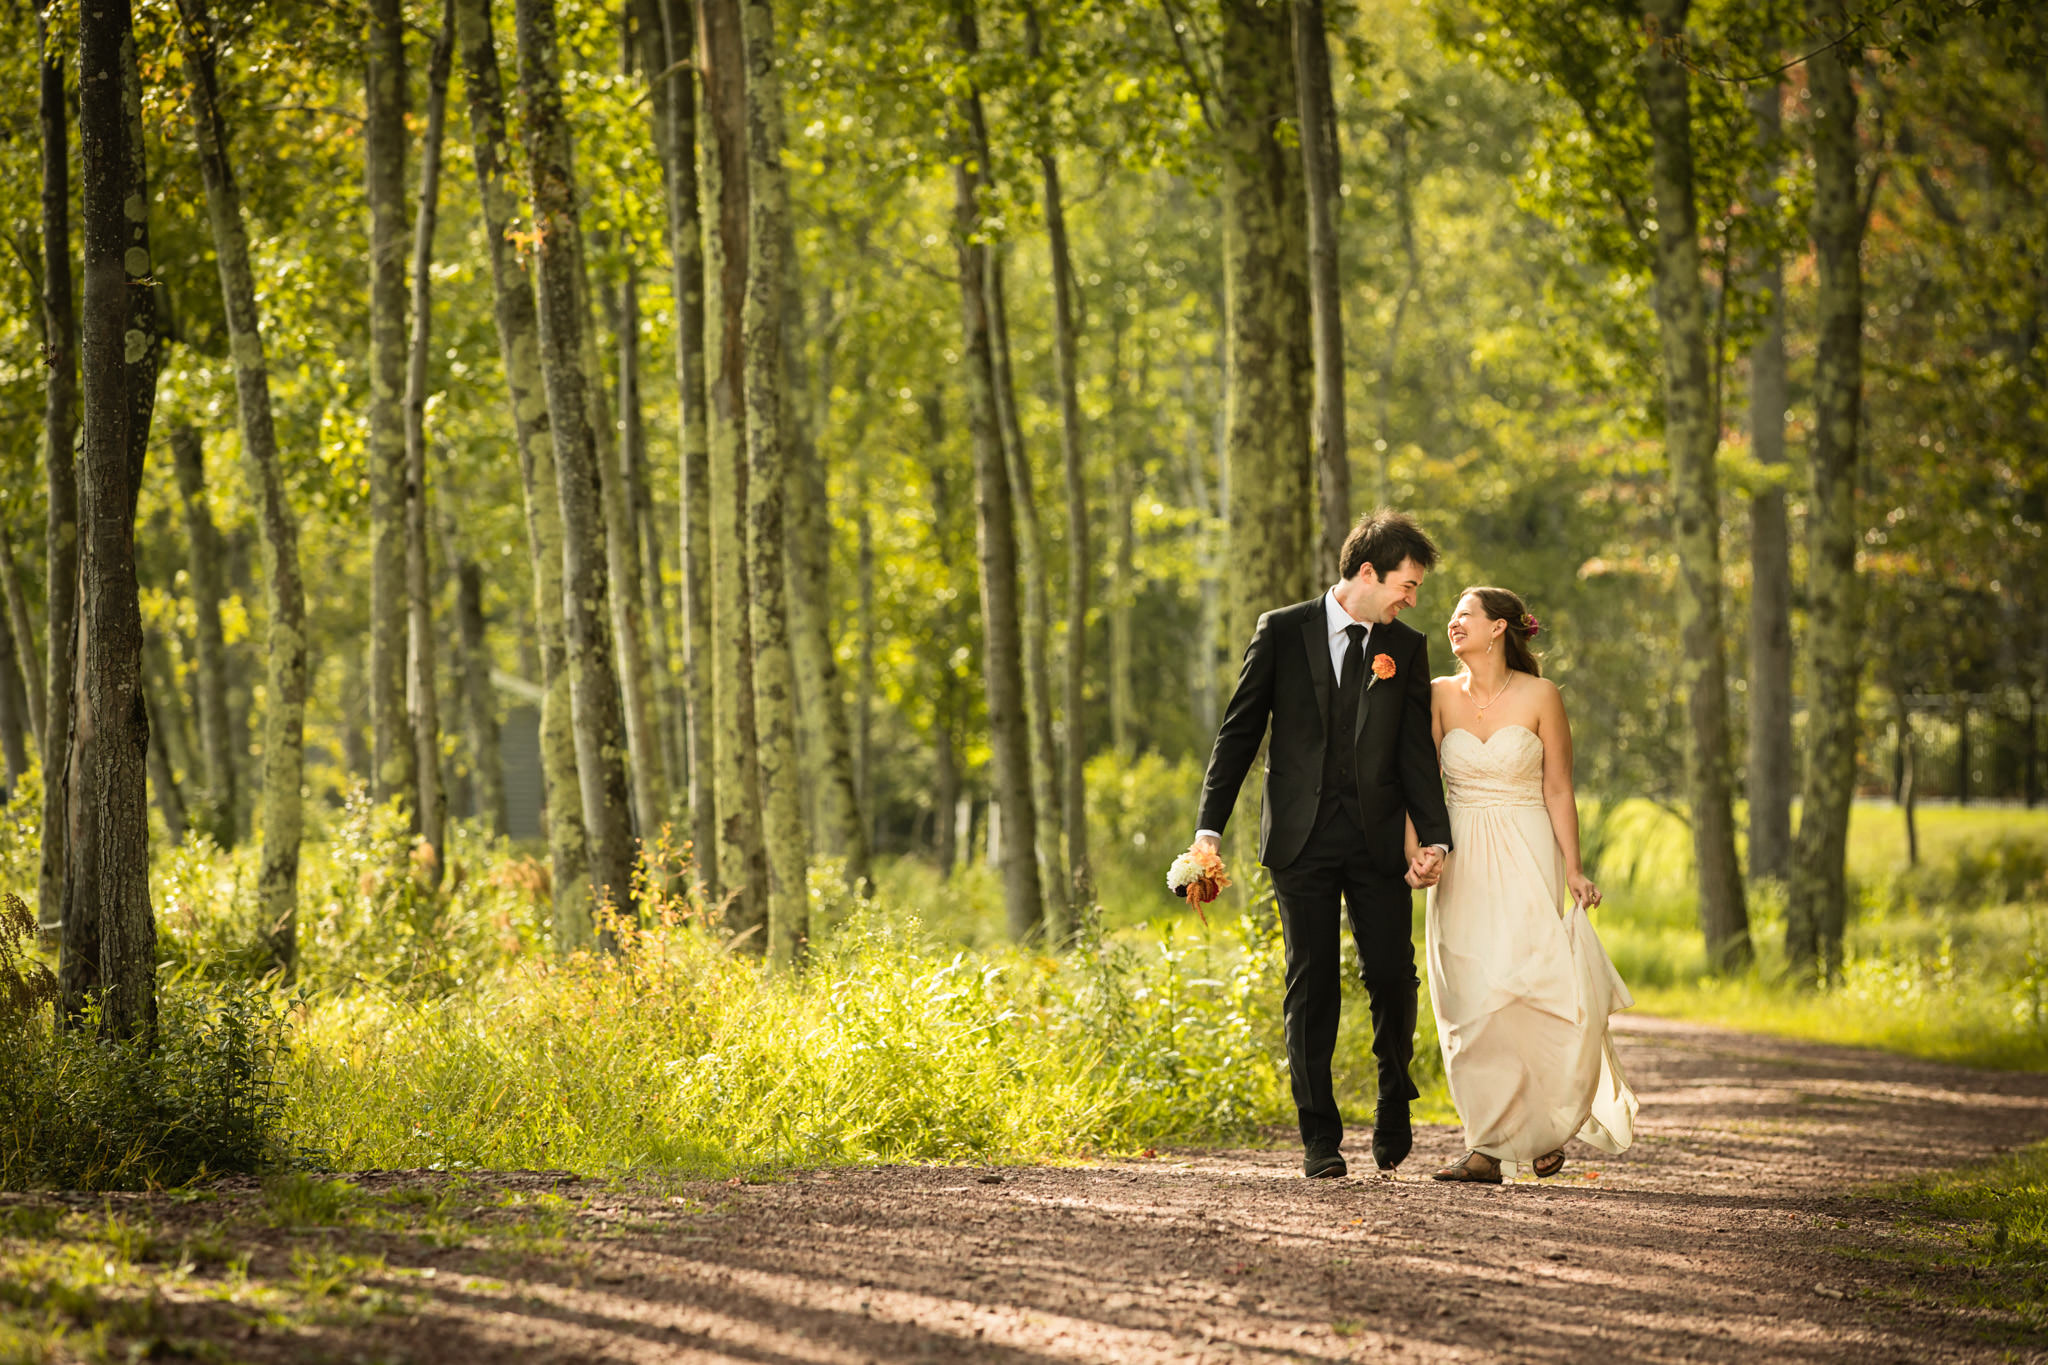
{"x": 1386, "y": 598}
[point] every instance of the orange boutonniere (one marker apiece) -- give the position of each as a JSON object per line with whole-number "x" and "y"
{"x": 1382, "y": 669}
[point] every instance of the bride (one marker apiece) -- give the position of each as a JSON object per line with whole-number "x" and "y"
{"x": 1521, "y": 985}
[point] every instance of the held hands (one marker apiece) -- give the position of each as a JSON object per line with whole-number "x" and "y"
{"x": 1585, "y": 895}
{"x": 1425, "y": 867}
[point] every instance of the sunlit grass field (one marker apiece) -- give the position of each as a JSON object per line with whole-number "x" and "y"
{"x": 440, "y": 1027}
{"x": 1948, "y": 960}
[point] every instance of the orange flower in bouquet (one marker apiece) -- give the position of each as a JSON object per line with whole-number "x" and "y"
{"x": 1198, "y": 876}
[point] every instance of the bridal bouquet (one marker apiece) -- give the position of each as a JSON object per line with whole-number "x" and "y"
{"x": 1198, "y": 876}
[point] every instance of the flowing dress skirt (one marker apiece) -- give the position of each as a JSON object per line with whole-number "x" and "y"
{"x": 1521, "y": 985}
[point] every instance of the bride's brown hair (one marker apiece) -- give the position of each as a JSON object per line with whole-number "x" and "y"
{"x": 1500, "y": 604}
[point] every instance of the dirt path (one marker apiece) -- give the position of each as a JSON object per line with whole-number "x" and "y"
{"x": 1728, "y": 1233}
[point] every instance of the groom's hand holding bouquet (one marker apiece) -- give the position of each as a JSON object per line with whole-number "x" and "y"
{"x": 1198, "y": 875}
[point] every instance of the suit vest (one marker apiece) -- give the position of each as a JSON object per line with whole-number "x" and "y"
{"x": 1340, "y": 754}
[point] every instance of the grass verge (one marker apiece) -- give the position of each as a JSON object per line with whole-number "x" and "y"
{"x": 1974, "y": 1242}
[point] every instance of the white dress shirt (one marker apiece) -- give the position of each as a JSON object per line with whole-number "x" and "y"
{"x": 1338, "y": 621}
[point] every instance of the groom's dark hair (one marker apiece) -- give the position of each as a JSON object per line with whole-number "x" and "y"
{"x": 1383, "y": 539}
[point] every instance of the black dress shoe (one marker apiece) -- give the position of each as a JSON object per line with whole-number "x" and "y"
{"x": 1324, "y": 1164}
{"x": 1392, "y": 1138}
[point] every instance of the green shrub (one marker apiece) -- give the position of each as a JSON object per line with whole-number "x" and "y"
{"x": 370, "y": 913}
{"x": 81, "y": 1112}
{"x": 680, "y": 1053}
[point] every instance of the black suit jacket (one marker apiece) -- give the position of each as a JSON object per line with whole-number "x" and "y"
{"x": 1287, "y": 680}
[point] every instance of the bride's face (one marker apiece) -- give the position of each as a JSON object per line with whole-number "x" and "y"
{"x": 1471, "y": 630}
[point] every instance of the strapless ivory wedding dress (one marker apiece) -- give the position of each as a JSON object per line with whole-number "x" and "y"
{"x": 1521, "y": 984}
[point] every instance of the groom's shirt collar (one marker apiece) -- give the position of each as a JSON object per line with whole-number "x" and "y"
{"x": 1335, "y": 620}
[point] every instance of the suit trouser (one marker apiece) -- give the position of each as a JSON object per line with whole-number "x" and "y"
{"x": 1334, "y": 867}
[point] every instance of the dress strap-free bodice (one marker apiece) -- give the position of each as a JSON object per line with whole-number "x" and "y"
{"x": 1504, "y": 769}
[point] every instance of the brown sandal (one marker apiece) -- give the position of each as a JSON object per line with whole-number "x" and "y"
{"x": 1466, "y": 1172}
{"x": 1549, "y": 1164}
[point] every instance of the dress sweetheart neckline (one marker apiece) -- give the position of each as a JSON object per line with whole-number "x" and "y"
{"x": 1461, "y": 730}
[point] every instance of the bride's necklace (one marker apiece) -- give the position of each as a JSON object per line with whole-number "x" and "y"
{"x": 1482, "y": 705}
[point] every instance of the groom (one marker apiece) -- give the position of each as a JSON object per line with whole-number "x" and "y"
{"x": 1345, "y": 687}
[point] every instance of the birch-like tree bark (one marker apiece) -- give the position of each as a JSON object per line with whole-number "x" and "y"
{"x": 573, "y": 390}
{"x": 518, "y": 326}
{"x": 664, "y": 701}
{"x": 995, "y": 531}
{"x": 1047, "y": 790}
{"x": 1122, "y": 596}
{"x": 775, "y": 710}
{"x": 1272, "y": 527}
{"x": 481, "y": 703}
{"x": 1322, "y": 169}
{"x": 281, "y": 810}
{"x": 394, "y": 761}
{"x": 24, "y": 627}
{"x": 827, "y": 751}
{"x": 616, "y": 447}
{"x": 14, "y": 727}
{"x": 1690, "y": 443}
{"x": 60, "y": 419}
{"x": 206, "y": 563}
{"x": 1769, "y": 769}
{"x": 163, "y": 781}
{"x": 423, "y": 709}
{"x": 1817, "y": 904}
{"x": 1080, "y": 567}
{"x": 742, "y": 856}
{"x": 108, "y": 947}
{"x": 668, "y": 35}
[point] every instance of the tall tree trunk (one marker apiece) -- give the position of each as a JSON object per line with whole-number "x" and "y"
{"x": 1121, "y": 603}
{"x": 1272, "y": 530}
{"x": 207, "y": 564}
{"x": 1322, "y": 169}
{"x": 281, "y": 811}
{"x": 394, "y": 761}
{"x": 995, "y": 532}
{"x": 423, "y": 708}
{"x": 664, "y": 701}
{"x": 108, "y": 949}
{"x": 14, "y": 728}
{"x": 742, "y": 857}
{"x": 1962, "y": 711}
{"x": 24, "y": 627}
{"x": 1908, "y": 775}
{"x": 1046, "y": 788}
{"x": 1411, "y": 288}
{"x": 1770, "y": 557}
{"x": 945, "y": 777}
{"x": 572, "y": 391}
{"x": 839, "y": 830}
{"x": 1817, "y": 905}
{"x": 775, "y": 711}
{"x": 1691, "y": 442}
{"x": 519, "y": 342}
{"x": 163, "y": 781}
{"x": 1066, "y": 365}
{"x": 60, "y": 544}
{"x": 167, "y": 716}
{"x": 864, "y": 697}
{"x": 622, "y": 562}
{"x": 481, "y": 703}
{"x": 667, "y": 36}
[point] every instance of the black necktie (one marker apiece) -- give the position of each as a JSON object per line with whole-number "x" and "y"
{"x": 1351, "y": 684}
